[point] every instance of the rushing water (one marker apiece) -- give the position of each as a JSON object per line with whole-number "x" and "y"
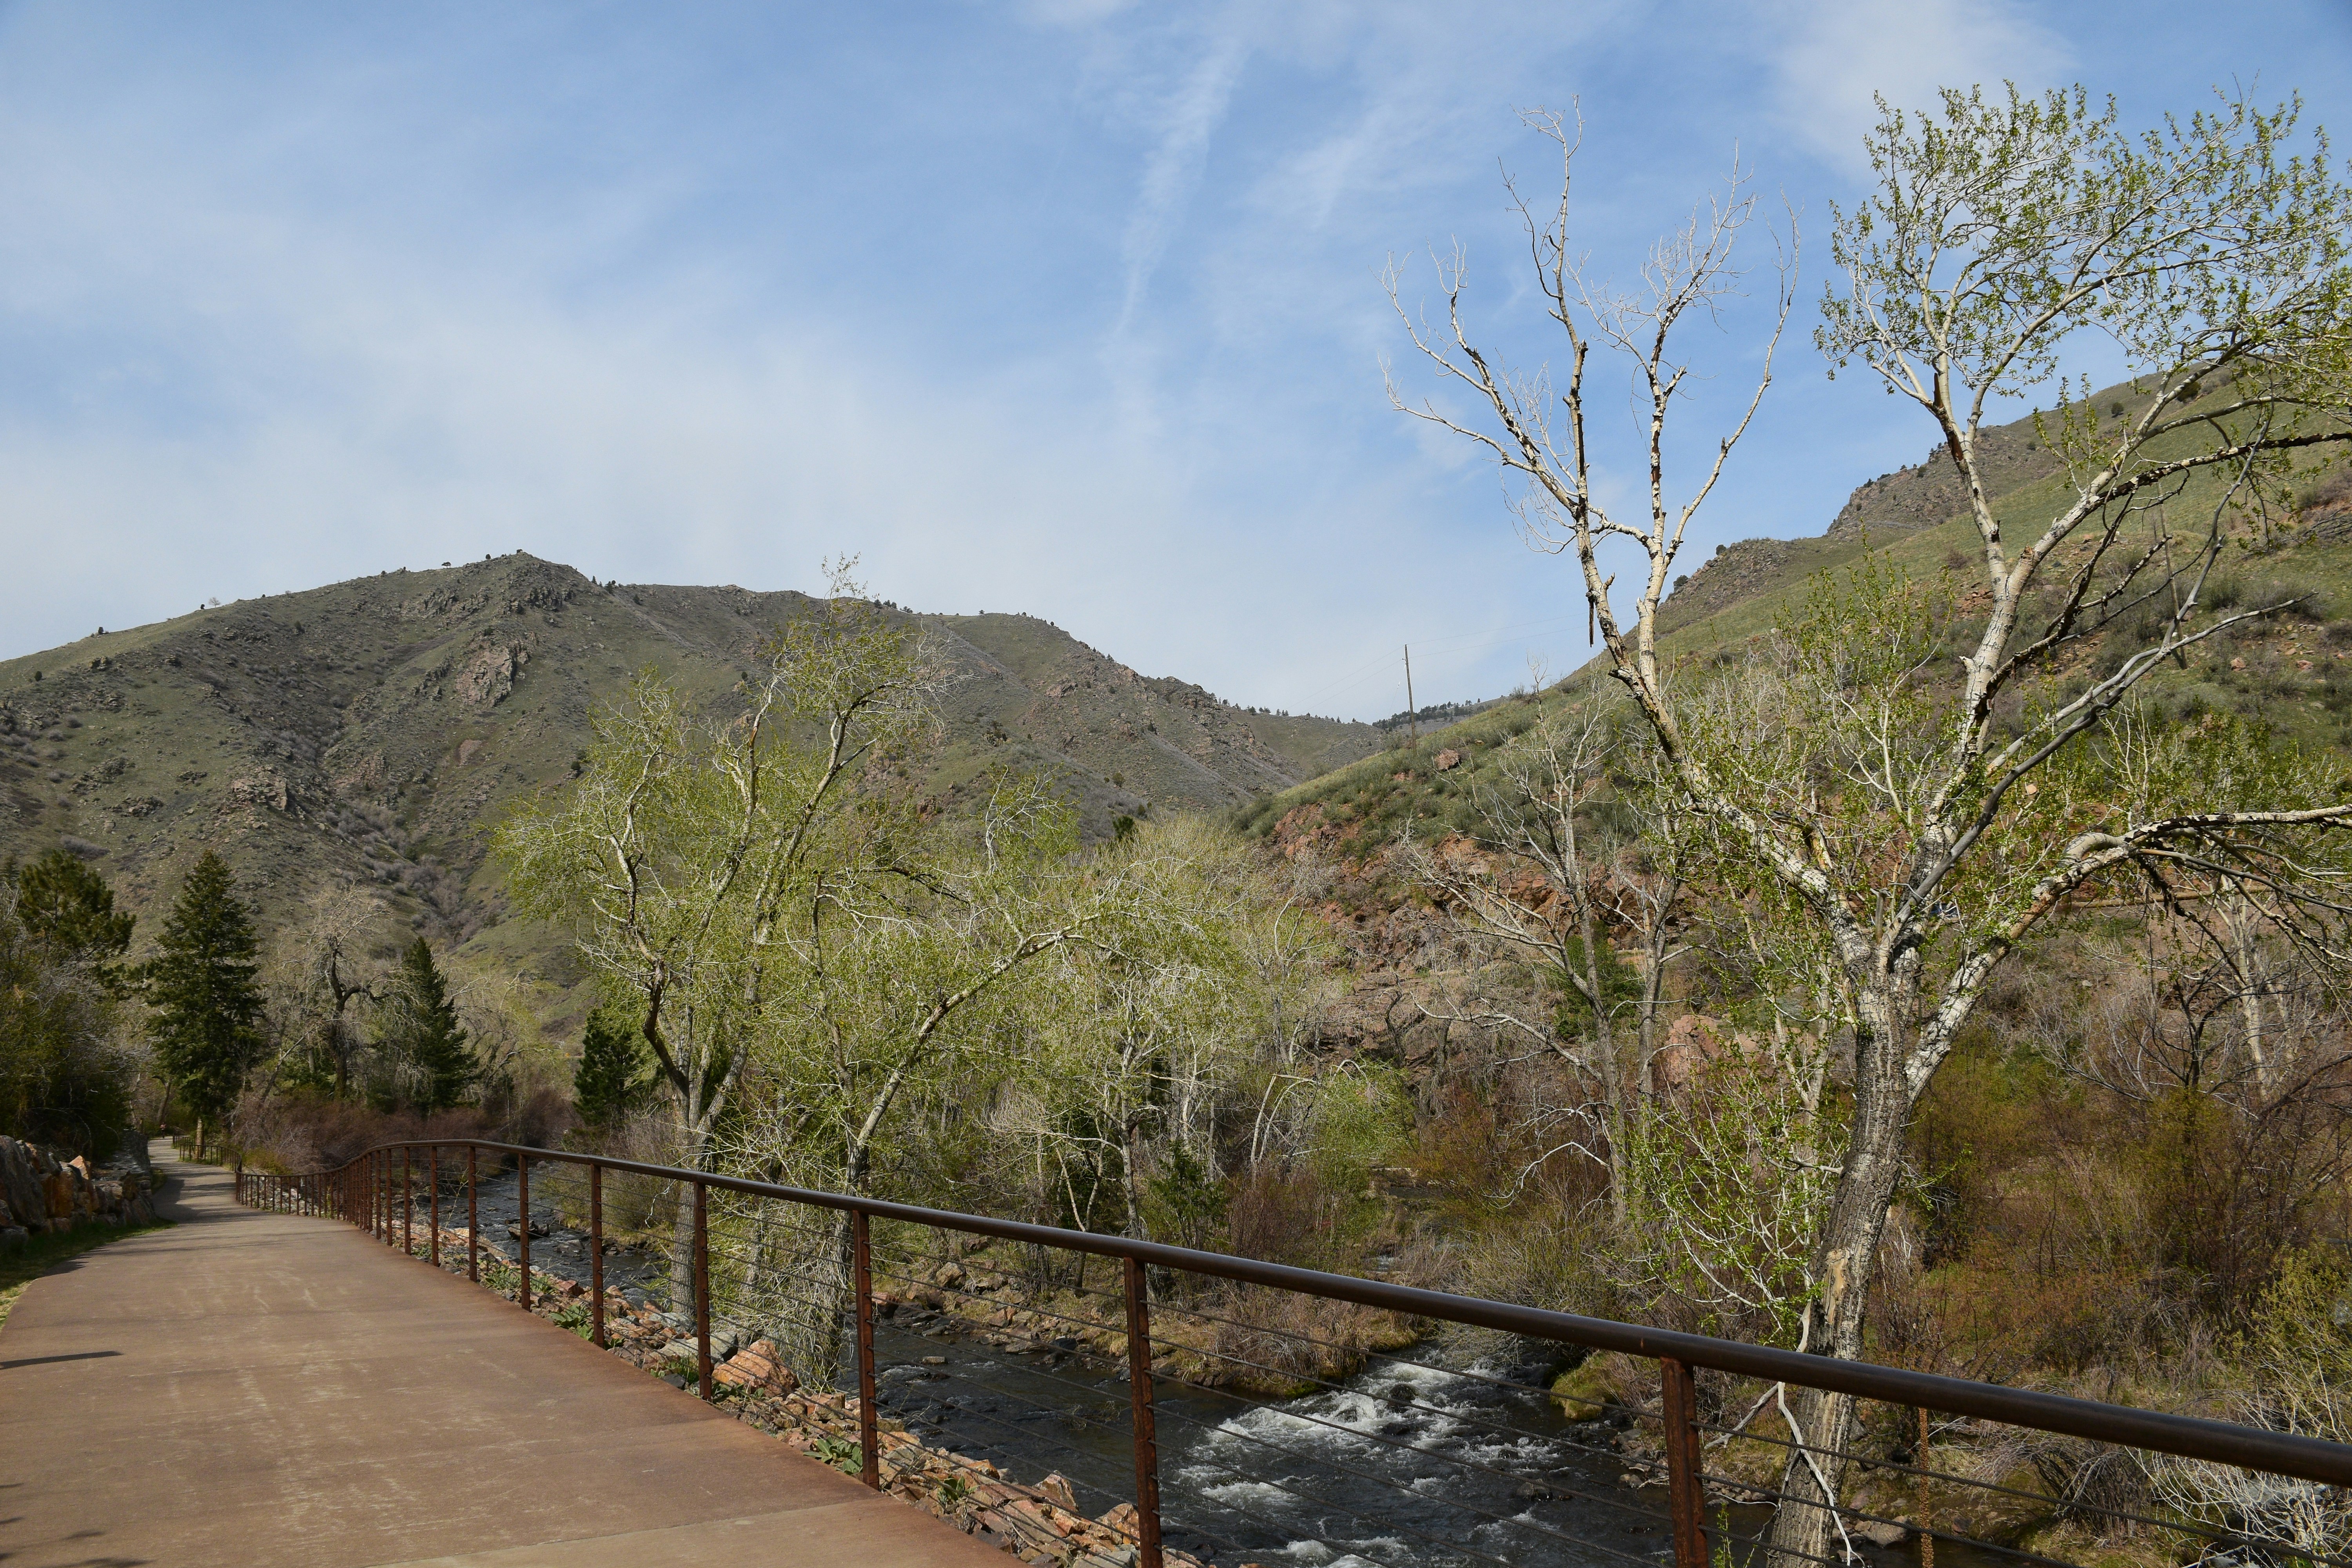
{"x": 1408, "y": 1463}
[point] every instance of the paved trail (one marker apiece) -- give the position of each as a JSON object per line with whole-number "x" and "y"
{"x": 250, "y": 1390}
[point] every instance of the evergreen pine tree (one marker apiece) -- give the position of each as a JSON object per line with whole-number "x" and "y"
{"x": 208, "y": 1006}
{"x": 422, "y": 1033}
{"x": 69, "y": 906}
{"x": 612, "y": 1075}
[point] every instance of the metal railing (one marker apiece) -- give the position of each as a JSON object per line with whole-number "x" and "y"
{"x": 1998, "y": 1495}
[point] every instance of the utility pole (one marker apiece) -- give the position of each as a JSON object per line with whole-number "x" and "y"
{"x": 1411, "y": 713}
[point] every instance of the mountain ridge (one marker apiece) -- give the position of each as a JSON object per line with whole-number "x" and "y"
{"x": 372, "y": 731}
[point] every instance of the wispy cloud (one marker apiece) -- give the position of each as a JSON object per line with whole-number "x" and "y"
{"x": 1073, "y": 310}
{"x": 1834, "y": 57}
{"x": 1171, "y": 170}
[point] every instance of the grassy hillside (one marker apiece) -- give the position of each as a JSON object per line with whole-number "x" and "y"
{"x": 2293, "y": 672}
{"x": 375, "y": 730}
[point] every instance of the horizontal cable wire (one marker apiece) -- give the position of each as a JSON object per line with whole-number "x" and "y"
{"x": 995, "y": 1420}
{"x": 2183, "y": 1527}
{"x": 1198, "y": 1529}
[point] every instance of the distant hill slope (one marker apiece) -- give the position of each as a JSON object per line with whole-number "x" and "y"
{"x": 376, "y": 728}
{"x": 2293, "y": 673}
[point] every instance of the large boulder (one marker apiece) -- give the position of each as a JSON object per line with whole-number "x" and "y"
{"x": 20, "y": 1184}
{"x": 40, "y": 1192}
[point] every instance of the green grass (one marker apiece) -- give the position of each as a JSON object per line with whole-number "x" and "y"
{"x": 43, "y": 1253}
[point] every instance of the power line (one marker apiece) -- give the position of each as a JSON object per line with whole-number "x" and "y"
{"x": 1480, "y": 641}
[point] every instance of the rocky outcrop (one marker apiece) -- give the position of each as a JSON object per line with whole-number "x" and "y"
{"x": 41, "y": 1191}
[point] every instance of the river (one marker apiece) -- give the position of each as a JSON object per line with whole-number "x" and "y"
{"x": 1411, "y": 1462}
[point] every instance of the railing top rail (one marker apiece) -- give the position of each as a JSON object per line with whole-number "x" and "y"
{"x": 2186, "y": 1437}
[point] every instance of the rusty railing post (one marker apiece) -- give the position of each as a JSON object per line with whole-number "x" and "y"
{"x": 1686, "y": 1488}
{"x": 433, "y": 1224}
{"x": 1919, "y": 1462}
{"x": 702, "y": 1285}
{"x": 522, "y": 1225}
{"x": 472, "y": 1237}
{"x": 407, "y": 1202}
{"x": 1146, "y": 1439}
{"x": 861, "y": 1255}
{"x": 380, "y": 1181}
{"x": 596, "y": 1255}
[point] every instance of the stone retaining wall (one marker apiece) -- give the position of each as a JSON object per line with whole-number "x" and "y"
{"x": 40, "y": 1192}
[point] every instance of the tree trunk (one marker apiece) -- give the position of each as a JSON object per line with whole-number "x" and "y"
{"x": 1846, "y": 1256}
{"x": 681, "y": 1236}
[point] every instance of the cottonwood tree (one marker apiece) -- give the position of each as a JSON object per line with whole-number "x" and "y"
{"x": 320, "y": 966}
{"x": 759, "y": 881}
{"x": 1133, "y": 1038}
{"x": 693, "y": 836}
{"x": 1900, "y": 795}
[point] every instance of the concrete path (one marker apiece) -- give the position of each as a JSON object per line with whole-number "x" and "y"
{"x": 252, "y": 1390}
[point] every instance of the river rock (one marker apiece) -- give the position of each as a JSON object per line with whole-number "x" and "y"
{"x": 757, "y": 1366}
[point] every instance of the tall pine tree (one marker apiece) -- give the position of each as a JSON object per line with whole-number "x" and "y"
{"x": 614, "y": 1072}
{"x": 422, "y": 1038}
{"x": 206, "y": 1003}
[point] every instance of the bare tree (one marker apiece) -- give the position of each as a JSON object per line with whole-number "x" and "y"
{"x": 1925, "y": 826}
{"x": 319, "y": 967}
{"x": 1541, "y": 894}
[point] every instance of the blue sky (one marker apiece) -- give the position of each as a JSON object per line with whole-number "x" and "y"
{"x": 1070, "y": 308}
